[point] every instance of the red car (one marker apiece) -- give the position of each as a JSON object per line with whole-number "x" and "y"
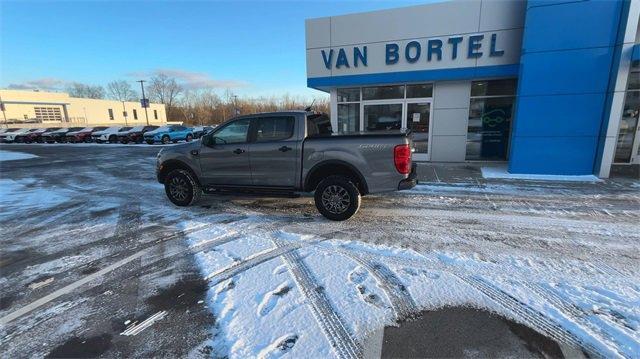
{"x": 35, "y": 135}
{"x": 83, "y": 135}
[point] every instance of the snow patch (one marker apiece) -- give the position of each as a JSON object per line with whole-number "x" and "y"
{"x": 502, "y": 173}
{"x": 14, "y": 156}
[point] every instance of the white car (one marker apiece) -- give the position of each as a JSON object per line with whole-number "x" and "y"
{"x": 10, "y": 136}
{"x": 110, "y": 134}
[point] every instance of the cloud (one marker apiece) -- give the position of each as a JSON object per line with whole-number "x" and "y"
{"x": 191, "y": 80}
{"x": 46, "y": 83}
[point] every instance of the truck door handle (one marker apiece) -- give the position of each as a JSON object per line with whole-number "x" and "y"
{"x": 238, "y": 151}
{"x": 284, "y": 149}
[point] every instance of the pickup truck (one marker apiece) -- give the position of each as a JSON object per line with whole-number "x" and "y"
{"x": 286, "y": 154}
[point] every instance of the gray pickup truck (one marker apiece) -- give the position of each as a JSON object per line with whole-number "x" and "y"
{"x": 285, "y": 154}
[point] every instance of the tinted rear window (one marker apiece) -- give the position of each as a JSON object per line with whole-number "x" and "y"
{"x": 318, "y": 125}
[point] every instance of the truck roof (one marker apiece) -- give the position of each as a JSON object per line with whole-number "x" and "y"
{"x": 275, "y": 113}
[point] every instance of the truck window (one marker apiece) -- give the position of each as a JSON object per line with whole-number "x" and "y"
{"x": 274, "y": 128}
{"x": 318, "y": 125}
{"x": 234, "y": 132}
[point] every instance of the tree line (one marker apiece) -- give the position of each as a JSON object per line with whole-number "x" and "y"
{"x": 195, "y": 107}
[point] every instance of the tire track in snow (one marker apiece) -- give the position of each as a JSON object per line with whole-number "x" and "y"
{"x": 574, "y": 313}
{"x": 529, "y": 315}
{"x": 246, "y": 264}
{"x": 401, "y": 301}
{"x": 329, "y": 320}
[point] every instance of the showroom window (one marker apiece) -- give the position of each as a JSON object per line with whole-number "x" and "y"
{"x": 349, "y": 110}
{"x": 490, "y": 117}
{"x": 382, "y": 107}
{"x": 629, "y": 120}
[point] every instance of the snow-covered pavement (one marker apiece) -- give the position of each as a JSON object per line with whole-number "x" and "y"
{"x": 95, "y": 254}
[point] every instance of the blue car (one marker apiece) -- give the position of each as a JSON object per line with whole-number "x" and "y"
{"x": 168, "y": 134}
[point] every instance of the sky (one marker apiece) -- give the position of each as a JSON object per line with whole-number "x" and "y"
{"x": 253, "y": 49}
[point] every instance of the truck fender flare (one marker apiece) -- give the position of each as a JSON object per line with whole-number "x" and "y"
{"x": 331, "y": 163}
{"x": 174, "y": 164}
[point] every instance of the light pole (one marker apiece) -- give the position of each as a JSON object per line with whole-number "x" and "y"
{"x": 144, "y": 101}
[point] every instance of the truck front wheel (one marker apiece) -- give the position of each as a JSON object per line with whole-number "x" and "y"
{"x": 337, "y": 198}
{"x": 182, "y": 188}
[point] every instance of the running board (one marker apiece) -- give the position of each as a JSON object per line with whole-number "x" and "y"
{"x": 252, "y": 191}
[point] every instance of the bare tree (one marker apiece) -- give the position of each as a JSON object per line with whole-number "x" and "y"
{"x": 121, "y": 90}
{"x": 164, "y": 89}
{"x": 76, "y": 89}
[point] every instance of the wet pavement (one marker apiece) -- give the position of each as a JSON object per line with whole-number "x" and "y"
{"x": 95, "y": 260}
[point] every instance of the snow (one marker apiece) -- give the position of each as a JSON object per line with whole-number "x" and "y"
{"x": 265, "y": 312}
{"x": 13, "y": 156}
{"x": 502, "y": 173}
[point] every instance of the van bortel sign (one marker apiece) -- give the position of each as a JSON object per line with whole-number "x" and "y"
{"x": 429, "y": 50}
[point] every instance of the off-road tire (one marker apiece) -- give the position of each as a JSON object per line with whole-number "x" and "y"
{"x": 183, "y": 178}
{"x": 337, "y": 185}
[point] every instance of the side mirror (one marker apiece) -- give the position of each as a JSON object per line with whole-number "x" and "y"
{"x": 208, "y": 140}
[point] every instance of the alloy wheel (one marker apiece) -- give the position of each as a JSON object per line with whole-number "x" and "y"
{"x": 336, "y": 199}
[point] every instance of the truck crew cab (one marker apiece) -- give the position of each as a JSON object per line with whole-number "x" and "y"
{"x": 288, "y": 153}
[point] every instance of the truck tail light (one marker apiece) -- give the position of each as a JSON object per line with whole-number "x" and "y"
{"x": 402, "y": 159}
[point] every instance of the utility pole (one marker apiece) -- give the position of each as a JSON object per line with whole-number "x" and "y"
{"x": 145, "y": 104}
{"x": 235, "y": 105}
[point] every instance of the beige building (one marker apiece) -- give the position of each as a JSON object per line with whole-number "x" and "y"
{"x": 55, "y": 109}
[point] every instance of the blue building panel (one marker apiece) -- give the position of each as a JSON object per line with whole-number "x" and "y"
{"x": 597, "y": 26}
{"x": 560, "y": 115}
{"x": 462, "y": 73}
{"x": 553, "y": 155}
{"x": 565, "y": 72}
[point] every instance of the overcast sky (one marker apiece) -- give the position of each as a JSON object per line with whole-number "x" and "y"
{"x": 252, "y": 48}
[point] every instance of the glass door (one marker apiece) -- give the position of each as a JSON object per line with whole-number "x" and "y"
{"x": 418, "y": 120}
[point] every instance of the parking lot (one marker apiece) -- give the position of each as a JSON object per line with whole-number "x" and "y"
{"x": 96, "y": 261}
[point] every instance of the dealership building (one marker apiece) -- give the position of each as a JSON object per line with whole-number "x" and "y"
{"x": 548, "y": 87}
{"x": 57, "y": 109}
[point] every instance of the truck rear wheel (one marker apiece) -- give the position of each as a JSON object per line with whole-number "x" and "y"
{"x": 337, "y": 198}
{"x": 182, "y": 188}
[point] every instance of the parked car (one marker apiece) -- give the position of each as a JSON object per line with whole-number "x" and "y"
{"x": 135, "y": 134}
{"x": 9, "y": 136}
{"x": 291, "y": 152}
{"x": 60, "y": 135}
{"x": 109, "y": 134}
{"x": 26, "y": 137}
{"x": 39, "y": 137}
{"x": 199, "y": 131}
{"x": 167, "y": 134}
{"x": 83, "y": 135}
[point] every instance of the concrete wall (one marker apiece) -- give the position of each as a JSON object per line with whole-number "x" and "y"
{"x": 450, "y": 119}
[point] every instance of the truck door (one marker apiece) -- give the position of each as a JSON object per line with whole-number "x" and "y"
{"x": 224, "y": 159}
{"x": 274, "y": 151}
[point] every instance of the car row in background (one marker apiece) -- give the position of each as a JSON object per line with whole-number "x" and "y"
{"x": 103, "y": 134}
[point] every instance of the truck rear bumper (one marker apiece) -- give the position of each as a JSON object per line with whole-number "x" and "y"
{"x": 410, "y": 181}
